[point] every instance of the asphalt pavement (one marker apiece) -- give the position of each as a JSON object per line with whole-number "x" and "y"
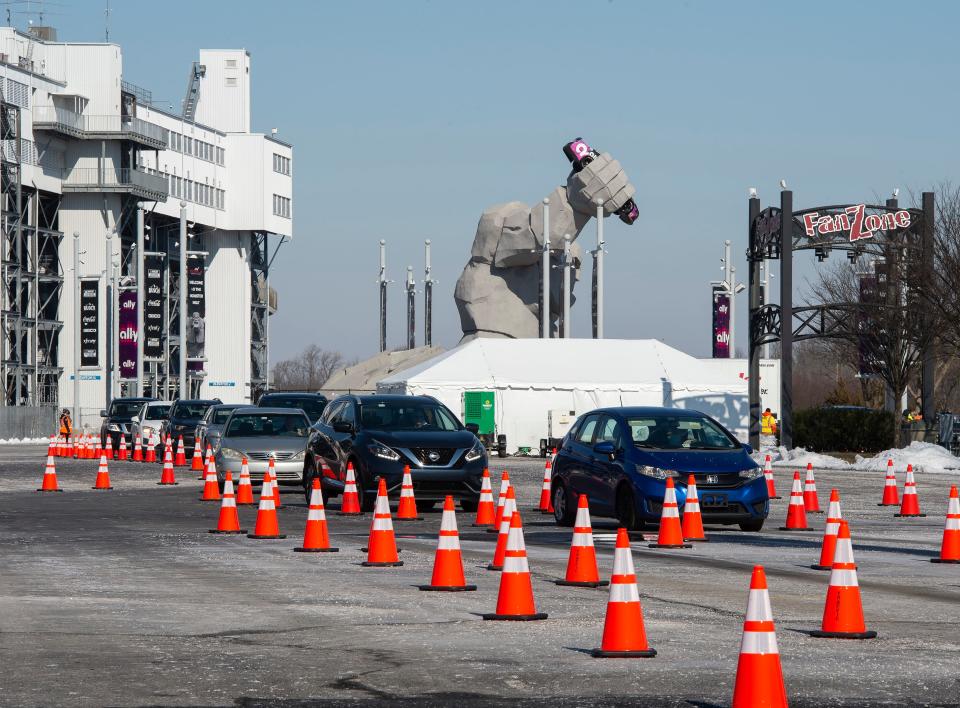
{"x": 122, "y": 598}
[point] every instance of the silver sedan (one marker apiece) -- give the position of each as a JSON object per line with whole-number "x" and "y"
{"x": 262, "y": 434}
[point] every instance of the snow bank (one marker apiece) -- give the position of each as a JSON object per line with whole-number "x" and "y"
{"x": 925, "y": 457}
{"x": 25, "y": 441}
{"x": 799, "y": 457}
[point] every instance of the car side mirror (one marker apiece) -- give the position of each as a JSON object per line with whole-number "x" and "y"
{"x": 473, "y": 428}
{"x": 605, "y": 447}
{"x": 343, "y": 426}
{"x": 103, "y": 414}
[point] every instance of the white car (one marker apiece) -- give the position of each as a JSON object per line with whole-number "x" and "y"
{"x": 149, "y": 420}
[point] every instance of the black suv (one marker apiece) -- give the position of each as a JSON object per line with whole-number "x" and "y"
{"x": 117, "y": 419}
{"x": 381, "y": 434}
{"x": 311, "y": 403}
{"x": 185, "y": 416}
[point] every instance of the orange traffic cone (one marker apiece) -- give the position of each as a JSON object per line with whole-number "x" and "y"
{"x": 448, "y": 561}
{"x": 56, "y": 444}
{"x": 830, "y": 531}
{"x": 759, "y": 676}
{"x": 624, "y": 636}
{"x": 167, "y": 476}
{"x": 768, "y": 475}
{"x": 843, "y": 612}
{"x": 501, "y": 500}
{"x": 515, "y": 599}
{"x": 206, "y": 461}
{"x": 196, "y": 464}
{"x": 382, "y": 546}
{"x": 181, "y": 459}
{"x": 796, "y": 512}
{"x": 271, "y": 467}
{"x": 671, "y": 535}
{"x": 407, "y": 508}
{"x": 950, "y": 546}
{"x": 350, "y": 502}
{"x": 103, "y": 475}
{"x": 151, "y": 455}
{"x": 486, "y": 513}
{"x": 546, "y": 500}
{"x": 692, "y": 526}
{"x": 138, "y": 449}
{"x": 245, "y": 488}
{"x": 500, "y": 552}
{"x": 108, "y": 449}
{"x": 267, "y": 526}
{"x": 211, "y": 489}
{"x": 50, "y": 474}
{"x": 229, "y": 521}
{"x": 122, "y": 453}
{"x": 316, "y": 539}
{"x": 890, "y": 495}
{"x": 910, "y": 506}
{"x": 582, "y": 564}
{"x": 811, "y": 502}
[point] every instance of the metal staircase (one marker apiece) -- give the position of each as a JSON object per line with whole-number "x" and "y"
{"x": 197, "y": 72}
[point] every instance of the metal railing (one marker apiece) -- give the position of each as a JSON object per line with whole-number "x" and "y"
{"x": 113, "y": 178}
{"x": 78, "y": 123}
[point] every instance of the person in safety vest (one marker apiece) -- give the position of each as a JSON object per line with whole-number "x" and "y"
{"x": 768, "y": 423}
{"x": 66, "y": 424}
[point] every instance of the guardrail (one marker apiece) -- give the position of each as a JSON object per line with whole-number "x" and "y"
{"x": 77, "y": 123}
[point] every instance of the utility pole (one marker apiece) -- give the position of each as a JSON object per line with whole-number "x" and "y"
{"x": 545, "y": 279}
{"x": 382, "y": 280}
{"x": 108, "y": 344}
{"x": 184, "y": 390}
{"x": 411, "y": 287}
{"x": 567, "y": 265}
{"x": 598, "y": 276}
{"x": 78, "y": 318}
{"x": 427, "y": 298}
{"x": 731, "y": 288}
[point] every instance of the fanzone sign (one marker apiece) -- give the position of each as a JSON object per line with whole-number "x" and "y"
{"x": 855, "y": 221}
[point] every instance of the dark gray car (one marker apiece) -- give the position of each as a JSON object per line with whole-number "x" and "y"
{"x": 259, "y": 434}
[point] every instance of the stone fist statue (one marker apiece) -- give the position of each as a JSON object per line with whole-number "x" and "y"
{"x": 498, "y": 292}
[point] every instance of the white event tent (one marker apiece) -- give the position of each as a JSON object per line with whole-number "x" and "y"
{"x": 530, "y": 377}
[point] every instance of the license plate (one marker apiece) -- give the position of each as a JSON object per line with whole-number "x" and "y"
{"x": 708, "y": 500}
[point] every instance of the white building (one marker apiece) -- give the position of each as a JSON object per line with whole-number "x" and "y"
{"x": 86, "y": 153}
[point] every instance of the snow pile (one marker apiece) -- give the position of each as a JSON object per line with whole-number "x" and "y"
{"x": 25, "y": 441}
{"x": 799, "y": 457}
{"x": 925, "y": 457}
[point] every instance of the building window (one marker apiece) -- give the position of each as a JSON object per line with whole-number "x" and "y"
{"x": 220, "y": 155}
{"x": 281, "y": 164}
{"x": 281, "y": 206}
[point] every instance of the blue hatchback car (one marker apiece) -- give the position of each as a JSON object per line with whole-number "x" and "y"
{"x": 621, "y": 457}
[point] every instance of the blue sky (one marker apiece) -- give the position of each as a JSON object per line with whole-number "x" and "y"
{"x": 409, "y": 118}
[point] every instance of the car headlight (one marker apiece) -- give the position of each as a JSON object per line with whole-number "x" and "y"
{"x": 475, "y": 452}
{"x": 230, "y": 453}
{"x": 656, "y": 472}
{"x": 113, "y": 427}
{"x": 378, "y": 449}
{"x": 300, "y": 455}
{"x": 751, "y": 473}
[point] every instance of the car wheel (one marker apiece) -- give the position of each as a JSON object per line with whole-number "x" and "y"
{"x": 469, "y": 505}
{"x": 627, "y": 509}
{"x": 425, "y": 506}
{"x": 752, "y": 526}
{"x": 564, "y": 512}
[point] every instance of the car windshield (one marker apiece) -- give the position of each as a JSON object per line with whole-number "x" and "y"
{"x": 313, "y": 407}
{"x": 189, "y": 411}
{"x": 671, "y": 432}
{"x": 255, "y": 425}
{"x": 125, "y": 409}
{"x": 161, "y": 412}
{"x": 220, "y": 415}
{"x": 406, "y": 415}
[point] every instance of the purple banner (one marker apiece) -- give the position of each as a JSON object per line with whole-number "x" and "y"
{"x": 128, "y": 334}
{"x": 721, "y": 325}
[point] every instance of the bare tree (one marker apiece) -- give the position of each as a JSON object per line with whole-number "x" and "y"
{"x": 307, "y": 371}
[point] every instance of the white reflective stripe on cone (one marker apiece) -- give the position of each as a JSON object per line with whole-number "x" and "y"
{"x": 623, "y": 562}
{"x": 833, "y": 511}
{"x": 266, "y": 504}
{"x": 691, "y": 506}
{"x": 382, "y": 507}
{"x": 515, "y": 540}
{"x": 758, "y": 607}
{"x": 229, "y": 502}
{"x": 844, "y": 551}
{"x": 316, "y": 497}
{"x": 843, "y": 578}
{"x": 833, "y": 528}
{"x": 759, "y": 643}
{"x": 670, "y": 512}
{"x": 448, "y": 522}
{"x": 515, "y": 564}
{"x": 316, "y": 515}
{"x": 953, "y": 524}
{"x": 382, "y": 524}
{"x": 624, "y": 592}
{"x": 582, "y": 539}
{"x": 449, "y": 543}
{"x": 583, "y": 518}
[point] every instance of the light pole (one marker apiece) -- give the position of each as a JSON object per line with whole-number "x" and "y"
{"x": 427, "y": 298}
{"x": 78, "y": 318}
{"x": 184, "y": 392}
{"x": 731, "y": 288}
{"x": 598, "y": 276}
{"x": 545, "y": 297}
{"x": 141, "y": 293}
{"x": 411, "y": 287}
{"x": 108, "y": 345}
{"x": 566, "y": 286}
{"x": 382, "y": 284}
